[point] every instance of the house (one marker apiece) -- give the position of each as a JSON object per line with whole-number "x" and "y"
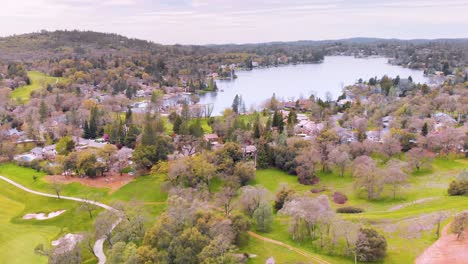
{"x": 386, "y": 120}
{"x": 346, "y": 136}
{"x": 210, "y": 138}
{"x": 344, "y": 101}
{"x": 249, "y": 151}
{"x": 443, "y": 118}
{"x": 82, "y": 143}
{"x": 373, "y": 135}
{"x": 15, "y": 133}
{"x": 308, "y": 127}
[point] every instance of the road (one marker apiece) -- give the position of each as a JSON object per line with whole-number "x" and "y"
{"x": 98, "y": 247}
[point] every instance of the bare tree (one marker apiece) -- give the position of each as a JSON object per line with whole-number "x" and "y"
{"x": 251, "y": 197}
{"x": 307, "y": 162}
{"x": 89, "y": 205}
{"x": 394, "y": 175}
{"x": 419, "y": 158}
{"x": 367, "y": 176}
{"x": 57, "y": 187}
{"x": 339, "y": 157}
{"x": 225, "y": 199}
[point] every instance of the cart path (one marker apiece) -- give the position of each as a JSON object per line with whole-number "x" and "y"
{"x": 297, "y": 250}
{"x": 98, "y": 247}
{"x": 447, "y": 249}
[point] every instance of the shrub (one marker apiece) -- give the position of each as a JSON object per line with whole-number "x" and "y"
{"x": 460, "y": 223}
{"x": 349, "y": 210}
{"x": 282, "y": 196}
{"x": 318, "y": 190}
{"x": 339, "y": 198}
{"x": 458, "y": 187}
{"x": 370, "y": 246}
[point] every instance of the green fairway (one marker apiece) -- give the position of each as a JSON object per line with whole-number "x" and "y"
{"x": 19, "y": 237}
{"x": 38, "y": 80}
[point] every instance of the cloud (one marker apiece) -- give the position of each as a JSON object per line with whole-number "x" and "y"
{"x": 227, "y": 21}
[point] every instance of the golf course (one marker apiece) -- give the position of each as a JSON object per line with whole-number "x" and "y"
{"x": 423, "y": 196}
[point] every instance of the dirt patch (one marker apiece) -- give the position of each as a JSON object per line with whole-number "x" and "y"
{"x": 43, "y": 216}
{"x": 447, "y": 249}
{"x": 113, "y": 182}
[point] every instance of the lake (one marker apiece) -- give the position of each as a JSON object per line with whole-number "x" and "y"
{"x": 292, "y": 82}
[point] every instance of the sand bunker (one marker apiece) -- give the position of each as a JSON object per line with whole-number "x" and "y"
{"x": 43, "y": 216}
{"x": 66, "y": 243}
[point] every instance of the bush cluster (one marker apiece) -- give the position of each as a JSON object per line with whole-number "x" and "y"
{"x": 349, "y": 210}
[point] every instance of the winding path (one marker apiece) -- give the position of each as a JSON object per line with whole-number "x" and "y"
{"x": 297, "y": 250}
{"x": 98, "y": 247}
{"x": 447, "y": 249}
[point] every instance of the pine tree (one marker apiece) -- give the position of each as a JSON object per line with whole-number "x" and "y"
{"x": 86, "y": 134}
{"x": 128, "y": 116}
{"x": 93, "y": 122}
{"x": 425, "y": 129}
{"x": 236, "y": 104}
{"x": 177, "y": 124}
{"x": 43, "y": 111}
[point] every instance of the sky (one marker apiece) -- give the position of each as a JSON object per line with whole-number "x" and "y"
{"x": 240, "y": 21}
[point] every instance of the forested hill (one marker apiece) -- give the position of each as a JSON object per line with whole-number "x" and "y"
{"x": 81, "y": 43}
{"x": 429, "y": 55}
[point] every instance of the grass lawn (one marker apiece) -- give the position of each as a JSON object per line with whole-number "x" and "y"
{"x": 265, "y": 250}
{"x": 38, "y": 80}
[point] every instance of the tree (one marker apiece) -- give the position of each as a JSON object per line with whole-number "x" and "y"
{"x": 308, "y": 214}
{"x": 145, "y": 156}
{"x": 65, "y": 145}
{"x": 391, "y": 146}
{"x": 370, "y": 245}
{"x": 419, "y": 158}
{"x": 245, "y": 172}
{"x": 367, "y": 176}
{"x": 263, "y": 217}
{"x": 225, "y": 199}
{"x": 43, "y": 111}
{"x": 87, "y": 164}
{"x": 283, "y": 196}
{"x": 425, "y": 129}
{"x": 251, "y": 198}
{"x": 236, "y": 104}
{"x": 360, "y": 124}
{"x": 326, "y": 141}
{"x": 89, "y": 205}
{"x": 460, "y": 185}
{"x": 177, "y": 124}
{"x": 57, "y": 187}
{"x": 278, "y": 121}
{"x": 460, "y": 224}
{"x": 107, "y": 155}
{"x": 93, "y": 129}
{"x": 306, "y": 165}
{"x": 394, "y": 175}
{"x": 339, "y": 157}
{"x": 240, "y": 225}
{"x": 131, "y": 136}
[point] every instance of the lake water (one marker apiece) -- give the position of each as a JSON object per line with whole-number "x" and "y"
{"x": 292, "y": 82}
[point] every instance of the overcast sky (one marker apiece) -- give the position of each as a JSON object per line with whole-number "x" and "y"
{"x": 241, "y": 21}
